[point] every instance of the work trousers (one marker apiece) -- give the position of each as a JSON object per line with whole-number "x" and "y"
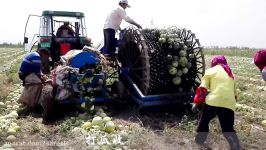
{"x": 109, "y": 42}
{"x": 226, "y": 119}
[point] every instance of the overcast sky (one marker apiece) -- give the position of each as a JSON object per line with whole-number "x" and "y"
{"x": 215, "y": 22}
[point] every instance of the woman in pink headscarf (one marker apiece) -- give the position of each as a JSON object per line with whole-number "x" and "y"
{"x": 260, "y": 62}
{"x": 217, "y": 92}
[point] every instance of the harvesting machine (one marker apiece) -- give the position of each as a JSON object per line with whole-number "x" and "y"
{"x": 161, "y": 66}
{"x": 152, "y": 67}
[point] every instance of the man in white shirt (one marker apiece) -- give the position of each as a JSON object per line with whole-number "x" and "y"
{"x": 112, "y": 24}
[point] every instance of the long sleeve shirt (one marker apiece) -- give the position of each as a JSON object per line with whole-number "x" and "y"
{"x": 115, "y": 18}
{"x": 31, "y": 64}
{"x": 221, "y": 88}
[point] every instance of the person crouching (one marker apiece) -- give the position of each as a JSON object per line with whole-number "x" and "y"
{"x": 38, "y": 91}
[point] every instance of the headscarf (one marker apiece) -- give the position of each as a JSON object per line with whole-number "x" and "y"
{"x": 260, "y": 59}
{"x": 221, "y": 60}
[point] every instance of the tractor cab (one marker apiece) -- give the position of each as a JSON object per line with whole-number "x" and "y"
{"x": 59, "y": 31}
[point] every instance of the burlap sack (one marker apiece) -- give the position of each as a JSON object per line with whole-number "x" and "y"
{"x": 32, "y": 91}
{"x": 46, "y": 100}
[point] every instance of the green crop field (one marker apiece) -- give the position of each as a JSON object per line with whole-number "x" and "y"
{"x": 134, "y": 130}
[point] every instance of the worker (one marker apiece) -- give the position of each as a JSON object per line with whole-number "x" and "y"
{"x": 38, "y": 90}
{"x": 260, "y": 62}
{"x": 112, "y": 24}
{"x": 65, "y": 26}
{"x": 32, "y": 64}
{"x": 66, "y": 33}
{"x": 218, "y": 97}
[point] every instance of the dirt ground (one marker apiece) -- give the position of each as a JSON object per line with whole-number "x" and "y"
{"x": 151, "y": 129}
{"x": 159, "y": 130}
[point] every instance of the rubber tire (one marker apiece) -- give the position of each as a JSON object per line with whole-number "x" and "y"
{"x": 119, "y": 89}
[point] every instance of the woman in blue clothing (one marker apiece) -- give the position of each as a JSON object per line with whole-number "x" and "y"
{"x": 32, "y": 64}
{"x": 36, "y": 93}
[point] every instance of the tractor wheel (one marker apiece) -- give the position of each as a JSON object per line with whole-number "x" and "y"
{"x": 119, "y": 89}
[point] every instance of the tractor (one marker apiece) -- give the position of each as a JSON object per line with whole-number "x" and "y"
{"x": 50, "y": 36}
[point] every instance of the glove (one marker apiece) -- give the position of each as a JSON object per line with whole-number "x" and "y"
{"x": 194, "y": 108}
{"x": 200, "y": 95}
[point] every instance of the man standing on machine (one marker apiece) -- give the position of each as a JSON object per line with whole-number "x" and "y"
{"x": 112, "y": 24}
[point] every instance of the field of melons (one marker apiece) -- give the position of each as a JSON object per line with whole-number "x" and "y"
{"x": 127, "y": 128}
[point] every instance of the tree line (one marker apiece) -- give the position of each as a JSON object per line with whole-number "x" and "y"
{"x": 11, "y": 45}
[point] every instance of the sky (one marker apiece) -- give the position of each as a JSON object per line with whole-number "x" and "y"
{"x": 239, "y": 23}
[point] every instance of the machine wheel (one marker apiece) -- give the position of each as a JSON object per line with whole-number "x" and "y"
{"x": 198, "y": 62}
{"x": 193, "y": 77}
{"x": 133, "y": 54}
{"x": 145, "y": 58}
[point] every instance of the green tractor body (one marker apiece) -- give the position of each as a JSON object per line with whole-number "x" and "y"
{"x": 52, "y": 35}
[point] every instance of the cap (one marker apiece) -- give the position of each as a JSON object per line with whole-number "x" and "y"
{"x": 124, "y": 2}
